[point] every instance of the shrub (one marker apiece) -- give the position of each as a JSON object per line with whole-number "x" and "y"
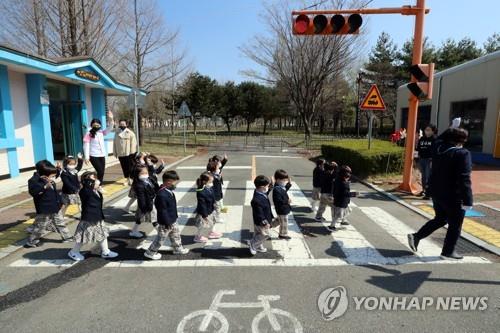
{"x": 383, "y": 157}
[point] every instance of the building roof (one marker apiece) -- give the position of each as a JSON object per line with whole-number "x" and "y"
{"x": 471, "y": 63}
{"x": 65, "y": 68}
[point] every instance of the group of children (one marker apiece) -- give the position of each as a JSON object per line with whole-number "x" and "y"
{"x": 157, "y": 204}
{"x": 331, "y": 188}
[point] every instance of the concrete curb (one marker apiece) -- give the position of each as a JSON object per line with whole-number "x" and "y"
{"x": 4, "y": 252}
{"x": 482, "y": 244}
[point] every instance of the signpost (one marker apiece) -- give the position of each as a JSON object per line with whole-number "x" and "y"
{"x": 372, "y": 101}
{"x": 184, "y": 113}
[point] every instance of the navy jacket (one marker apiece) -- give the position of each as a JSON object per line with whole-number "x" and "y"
{"x": 145, "y": 193}
{"x": 281, "y": 199}
{"x": 91, "y": 205}
{"x": 218, "y": 182}
{"x": 327, "y": 182}
{"x": 261, "y": 209}
{"x": 318, "y": 174}
{"x": 450, "y": 177}
{"x": 424, "y": 146}
{"x": 166, "y": 207}
{"x": 206, "y": 201}
{"x": 71, "y": 184}
{"x": 47, "y": 200}
{"x": 341, "y": 193}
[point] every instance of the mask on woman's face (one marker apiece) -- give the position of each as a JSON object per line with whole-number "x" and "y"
{"x": 143, "y": 177}
{"x": 122, "y": 127}
{"x": 428, "y": 133}
{"x": 96, "y": 126}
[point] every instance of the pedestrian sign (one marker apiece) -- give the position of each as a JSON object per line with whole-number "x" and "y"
{"x": 373, "y": 100}
{"x": 184, "y": 110}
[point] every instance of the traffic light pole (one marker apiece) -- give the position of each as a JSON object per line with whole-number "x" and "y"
{"x": 419, "y": 12}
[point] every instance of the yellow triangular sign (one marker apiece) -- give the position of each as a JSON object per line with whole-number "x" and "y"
{"x": 373, "y": 100}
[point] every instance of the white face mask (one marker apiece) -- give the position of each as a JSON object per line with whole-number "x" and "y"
{"x": 282, "y": 182}
{"x": 97, "y": 183}
{"x": 71, "y": 167}
{"x": 143, "y": 177}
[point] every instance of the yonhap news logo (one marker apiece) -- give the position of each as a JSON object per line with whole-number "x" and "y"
{"x": 334, "y": 302}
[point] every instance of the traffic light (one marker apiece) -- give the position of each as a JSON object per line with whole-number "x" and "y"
{"x": 321, "y": 24}
{"x": 424, "y": 74}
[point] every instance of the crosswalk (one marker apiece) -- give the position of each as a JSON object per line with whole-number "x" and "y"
{"x": 352, "y": 246}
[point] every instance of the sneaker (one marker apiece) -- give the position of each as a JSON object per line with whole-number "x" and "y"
{"x": 68, "y": 240}
{"x": 253, "y": 251}
{"x": 345, "y": 223}
{"x": 453, "y": 256}
{"x": 156, "y": 256}
{"x": 284, "y": 237}
{"x": 76, "y": 256}
{"x": 413, "y": 242}
{"x": 200, "y": 239}
{"x": 332, "y": 228}
{"x": 136, "y": 234}
{"x": 320, "y": 219}
{"x": 181, "y": 250}
{"x": 261, "y": 249}
{"x": 214, "y": 235}
{"x": 221, "y": 220}
{"x": 109, "y": 255}
{"x": 35, "y": 243}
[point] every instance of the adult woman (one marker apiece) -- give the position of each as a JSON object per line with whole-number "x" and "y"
{"x": 451, "y": 190}
{"x": 94, "y": 148}
{"x": 424, "y": 148}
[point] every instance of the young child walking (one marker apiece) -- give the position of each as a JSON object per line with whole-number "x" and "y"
{"x": 48, "y": 203}
{"x": 166, "y": 207}
{"x": 318, "y": 173}
{"x": 282, "y": 201}
{"x": 341, "y": 198}
{"x": 145, "y": 188}
{"x": 326, "y": 198}
{"x": 263, "y": 218}
{"x": 71, "y": 183}
{"x": 214, "y": 168}
{"x": 205, "y": 217}
{"x": 91, "y": 228}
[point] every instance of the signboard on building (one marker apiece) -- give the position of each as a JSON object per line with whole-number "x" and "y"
{"x": 84, "y": 74}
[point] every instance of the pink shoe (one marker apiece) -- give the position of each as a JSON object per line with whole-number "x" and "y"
{"x": 200, "y": 239}
{"x": 214, "y": 235}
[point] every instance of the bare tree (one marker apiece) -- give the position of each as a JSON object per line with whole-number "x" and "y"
{"x": 304, "y": 64}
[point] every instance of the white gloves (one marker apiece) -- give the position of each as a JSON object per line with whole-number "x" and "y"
{"x": 455, "y": 123}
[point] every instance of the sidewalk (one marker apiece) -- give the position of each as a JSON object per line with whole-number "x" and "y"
{"x": 16, "y": 219}
{"x": 481, "y": 224}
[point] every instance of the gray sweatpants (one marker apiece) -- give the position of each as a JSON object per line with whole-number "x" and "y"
{"x": 166, "y": 231}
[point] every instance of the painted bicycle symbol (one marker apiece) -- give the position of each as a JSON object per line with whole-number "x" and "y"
{"x": 279, "y": 320}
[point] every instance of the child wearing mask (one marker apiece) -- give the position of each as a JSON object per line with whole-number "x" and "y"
{"x": 145, "y": 191}
{"x": 71, "y": 183}
{"x": 205, "y": 216}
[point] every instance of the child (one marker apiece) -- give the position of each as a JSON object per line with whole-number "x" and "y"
{"x": 263, "y": 218}
{"x": 326, "y": 198}
{"x": 145, "y": 191}
{"x": 214, "y": 168}
{"x": 341, "y": 197}
{"x": 282, "y": 201}
{"x": 47, "y": 204}
{"x": 166, "y": 207}
{"x": 91, "y": 227}
{"x": 205, "y": 216}
{"x": 71, "y": 184}
{"x": 317, "y": 181}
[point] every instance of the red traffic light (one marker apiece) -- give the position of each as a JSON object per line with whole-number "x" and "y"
{"x": 321, "y": 24}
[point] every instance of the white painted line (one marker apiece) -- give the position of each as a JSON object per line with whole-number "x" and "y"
{"x": 230, "y": 228}
{"x": 230, "y": 167}
{"x": 43, "y": 263}
{"x": 249, "y": 189}
{"x": 278, "y": 156}
{"x": 427, "y": 249}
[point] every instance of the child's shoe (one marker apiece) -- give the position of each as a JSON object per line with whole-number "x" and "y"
{"x": 156, "y": 256}
{"x": 345, "y": 222}
{"x": 136, "y": 234}
{"x": 214, "y": 235}
{"x": 200, "y": 239}
{"x": 35, "y": 243}
{"x": 320, "y": 219}
{"x": 261, "y": 249}
{"x": 284, "y": 237}
{"x": 253, "y": 251}
{"x": 110, "y": 254}
{"x": 181, "y": 250}
{"x": 76, "y": 256}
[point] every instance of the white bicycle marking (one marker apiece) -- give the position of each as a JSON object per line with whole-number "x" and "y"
{"x": 264, "y": 303}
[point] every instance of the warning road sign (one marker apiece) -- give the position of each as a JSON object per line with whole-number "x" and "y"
{"x": 373, "y": 100}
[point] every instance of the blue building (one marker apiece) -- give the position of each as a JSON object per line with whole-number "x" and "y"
{"x": 46, "y": 106}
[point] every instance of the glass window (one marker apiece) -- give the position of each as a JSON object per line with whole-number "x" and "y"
{"x": 472, "y": 114}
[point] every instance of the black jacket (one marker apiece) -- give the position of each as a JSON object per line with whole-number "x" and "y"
{"x": 91, "y": 205}
{"x": 261, "y": 209}
{"x": 71, "y": 184}
{"x": 281, "y": 199}
{"x": 424, "y": 146}
{"x": 166, "y": 207}
{"x": 318, "y": 174}
{"x": 341, "y": 193}
{"x": 206, "y": 201}
{"x": 47, "y": 200}
{"x": 218, "y": 182}
{"x": 327, "y": 182}
{"x": 450, "y": 177}
{"x": 145, "y": 193}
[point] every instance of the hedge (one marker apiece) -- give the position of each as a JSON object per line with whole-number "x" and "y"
{"x": 383, "y": 157}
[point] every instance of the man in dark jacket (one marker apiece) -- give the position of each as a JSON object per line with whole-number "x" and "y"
{"x": 451, "y": 190}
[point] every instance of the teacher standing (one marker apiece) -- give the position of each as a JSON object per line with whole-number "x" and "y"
{"x": 94, "y": 148}
{"x": 125, "y": 147}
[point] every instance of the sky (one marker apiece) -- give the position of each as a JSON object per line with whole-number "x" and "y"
{"x": 212, "y": 31}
